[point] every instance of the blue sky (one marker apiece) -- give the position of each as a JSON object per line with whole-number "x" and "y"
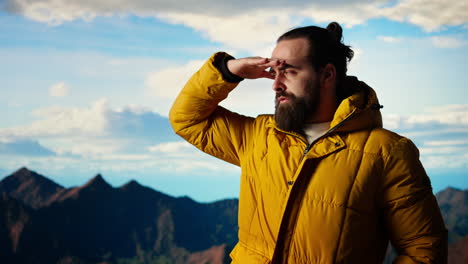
{"x": 86, "y": 85}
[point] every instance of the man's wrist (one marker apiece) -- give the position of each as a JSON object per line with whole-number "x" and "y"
{"x": 221, "y": 64}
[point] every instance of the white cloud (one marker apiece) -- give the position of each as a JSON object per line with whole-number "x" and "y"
{"x": 445, "y": 161}
{"x": 53, "y": 12}
{"x": 250, "y": 25}
{"x": 96, "y": 132}
{"x": 23, "y": 147}
{"x": 251, "y": 97}
{"x": 456, "y": 108}
{"x": 442, "y": 150}
{"x": 70, "y": 131}
{"x": 390, "y": 39}
{"x": 14, "y": 104}
{"x": 446, "y": 143}
{"x": 445, "y": 153}
{"x": 197, "y": 165}
{"x": 85, "y": 147}
{"x": 59, "y": 90}
{"x": 348, "y": 13}
{"x": 59, "y": 11}
{"x": 171, "y": 147}
{"x": 447, "y": 117}
{"x": 448, "y": 42}
{"x": 168, "y": 82}
{"x": 181, "y": 156}
{"x": 440, "y": 132}
{"x": 436, "y": 41}
{"x": 253, "y": 30}
{"x": 88, "y": 66}
{"x": 96, "y": 120}
{"x": 59, "y": 121}
{"x": 431, "y": 15}
{"x": 136, "y": 109}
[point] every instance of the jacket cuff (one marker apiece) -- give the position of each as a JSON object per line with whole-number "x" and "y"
{"x": 220, "y": 62}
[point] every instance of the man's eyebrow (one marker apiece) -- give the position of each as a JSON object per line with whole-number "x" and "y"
{"x": 287, "y": 66}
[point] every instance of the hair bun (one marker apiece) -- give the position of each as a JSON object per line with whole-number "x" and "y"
{"x": 335, "y": 31}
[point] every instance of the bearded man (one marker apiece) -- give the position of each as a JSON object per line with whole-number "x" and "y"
{"x": 322, "y": 181}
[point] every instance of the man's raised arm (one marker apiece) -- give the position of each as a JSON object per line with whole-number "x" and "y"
{"x": 196, "y": 116}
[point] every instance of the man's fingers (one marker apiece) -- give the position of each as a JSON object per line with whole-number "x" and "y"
{"x": 265, "y": 74}
{"x": 272, "y": 63}
{"x": 259, "y": 60}
{"x": 265, "y": 62}
{"x": 253, "y": 67}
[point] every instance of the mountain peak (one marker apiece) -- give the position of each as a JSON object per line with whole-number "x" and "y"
{"x": 25, "y": 176}
{"x": 97, "y": 182}
{"x": 451, "y": 194}
{"x": 29, "y": 187}
{"x": 98, "y": 177}
{"x": 451, "y": 189}
{"x": 95, "y": 186}
{"x": 131, "y": 185}
{"x": 22, "y": 170}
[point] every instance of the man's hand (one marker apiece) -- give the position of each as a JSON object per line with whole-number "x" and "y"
{"x": 252, "y": 67}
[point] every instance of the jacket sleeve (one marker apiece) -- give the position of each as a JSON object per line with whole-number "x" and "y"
{"x": 196, "y": 116}
{"x": 412, "y": 216}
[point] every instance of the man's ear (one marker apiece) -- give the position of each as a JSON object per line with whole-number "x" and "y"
{"x": 328, "y": 76}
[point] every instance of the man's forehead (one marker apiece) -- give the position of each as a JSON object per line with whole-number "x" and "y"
{"x": 295, "y": 47}
{"x": 290, "y": 59}
{"x": 295, "y": 62}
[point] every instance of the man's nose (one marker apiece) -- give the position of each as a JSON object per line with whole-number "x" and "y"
{"x": 278, "y": 85}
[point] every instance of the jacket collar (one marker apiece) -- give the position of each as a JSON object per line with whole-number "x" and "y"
{"x": 359, "y": 111}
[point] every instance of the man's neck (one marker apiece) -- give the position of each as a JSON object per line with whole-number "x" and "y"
{"x": 325, "y": 111}
{"x": 322, "y": 116}
{"x": 313, "y": 131}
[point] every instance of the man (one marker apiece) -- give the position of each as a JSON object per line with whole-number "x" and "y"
{"x": 322, "y": 181}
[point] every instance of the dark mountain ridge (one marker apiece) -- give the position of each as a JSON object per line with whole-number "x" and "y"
{"x": 453, "y": 204}
{"x": 97, "y": 222}
{"x": 29, "y": 187}
{"x": 43, "y": 222}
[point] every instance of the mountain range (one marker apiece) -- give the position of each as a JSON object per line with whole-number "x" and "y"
{"x": 43, "y": 222}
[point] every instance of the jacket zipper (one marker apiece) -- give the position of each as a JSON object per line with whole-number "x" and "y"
{"x": 307, "y": 149}
{"x": 309, "y": 146}
{"x": 328, "y": 133}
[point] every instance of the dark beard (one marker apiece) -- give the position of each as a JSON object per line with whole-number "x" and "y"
{"x": 291, "y": 115}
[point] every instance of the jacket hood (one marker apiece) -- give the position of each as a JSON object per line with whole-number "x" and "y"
{"x": 359, "y": 111}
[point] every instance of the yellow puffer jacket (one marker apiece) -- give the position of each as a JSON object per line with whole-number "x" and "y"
{"x": 354, "y": 189}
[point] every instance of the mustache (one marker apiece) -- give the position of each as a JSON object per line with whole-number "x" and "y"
{"x": 283, "y": 94}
